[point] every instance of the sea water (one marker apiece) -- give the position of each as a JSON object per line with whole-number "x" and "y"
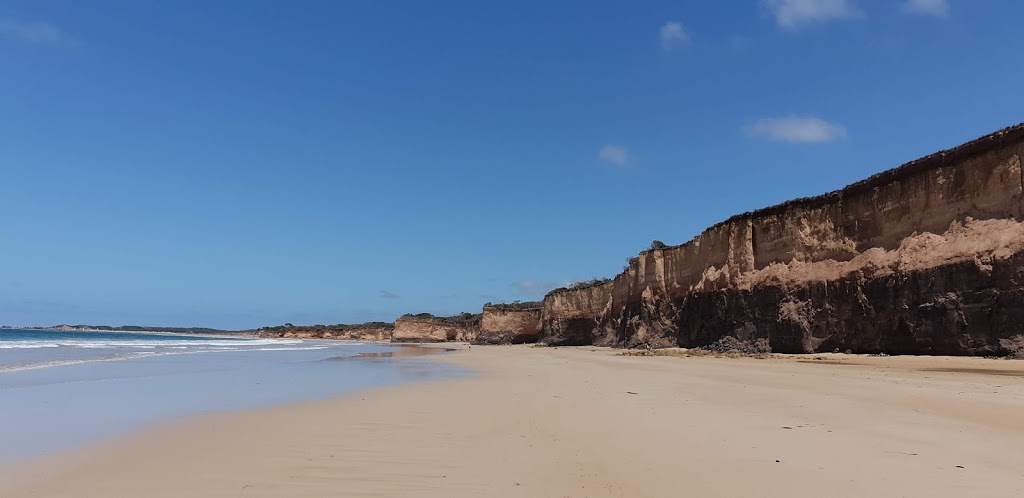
{"x": 63, "y": 389}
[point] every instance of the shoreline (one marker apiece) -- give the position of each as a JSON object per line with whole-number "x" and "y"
{"x": 59, "y": 397}
{"x": 590, "y": 422}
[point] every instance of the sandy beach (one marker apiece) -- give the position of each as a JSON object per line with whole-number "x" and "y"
{"x": 590, "y": 422}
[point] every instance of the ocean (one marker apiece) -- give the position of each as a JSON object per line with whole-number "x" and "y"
{"x": 64, "y": 389}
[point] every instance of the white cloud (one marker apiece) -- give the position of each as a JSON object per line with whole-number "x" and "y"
{"x": 796, "y": 129}
{"x": 615, "y": 154}
{"x": 937, "y": 8}
{"x": 31, "y": 32}
{"x": 794, "y": 13}
{"x": 674, "y": 35}
{"x": 387, "y": 295}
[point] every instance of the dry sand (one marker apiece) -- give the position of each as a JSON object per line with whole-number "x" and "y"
{"x": 589, "y": 422}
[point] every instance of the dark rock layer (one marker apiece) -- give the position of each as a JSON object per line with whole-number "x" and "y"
{"x": 867, "y": 268}
{"x": 963, "y": 308}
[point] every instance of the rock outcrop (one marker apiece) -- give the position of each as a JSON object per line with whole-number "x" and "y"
{"x": 428, "y": 328}
{"x": 922, "y": 259}
{"x": 509, "y": 324}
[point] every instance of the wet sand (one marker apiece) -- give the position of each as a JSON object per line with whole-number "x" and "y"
{"x": 591, "y": 422}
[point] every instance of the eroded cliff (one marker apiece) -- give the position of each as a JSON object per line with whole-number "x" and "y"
{"x": 924, "y": 258}
{"x": 428, "y": 328}
{"x": 509, "y": 324}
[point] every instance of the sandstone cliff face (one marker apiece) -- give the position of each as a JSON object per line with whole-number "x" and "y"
{"x": 577, "y": 317}
{"x": 509, "y": 326}
{"x": 411, "y": 328}
{"x": 919, "y": 259}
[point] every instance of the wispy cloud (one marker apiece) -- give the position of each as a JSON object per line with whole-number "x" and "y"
{"x": 674, "y": 36}
{"x": 937, "y": 8}
{"x": 615, "y": 154}
{"x": 796, "y": 129}
{"x": 792, "y": 14}
{"x": 32, "y": 32}
{"x": 387, "y": 295}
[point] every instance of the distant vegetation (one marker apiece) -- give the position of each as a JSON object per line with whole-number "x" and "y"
{"x": 515, "y": 305}
{"x": 144, "y": 328}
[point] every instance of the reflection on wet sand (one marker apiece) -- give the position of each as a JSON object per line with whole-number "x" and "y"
{"x": 408, "y": 365}
{"x": 400, "y": 350}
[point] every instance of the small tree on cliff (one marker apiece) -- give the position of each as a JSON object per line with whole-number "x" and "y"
{"x": 657, "y": 244}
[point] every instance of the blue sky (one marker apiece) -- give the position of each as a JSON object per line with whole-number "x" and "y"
{"x": 237, "y": 164}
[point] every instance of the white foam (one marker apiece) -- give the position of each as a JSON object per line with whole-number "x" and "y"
{"x": 61, "y": 363}
{"x": 27, "y": 345}
{"x": 128, "y": 349}
{"x": 310, "y": 348}
{"x": 146, "y": 343}
{"x": 142, "y": 354}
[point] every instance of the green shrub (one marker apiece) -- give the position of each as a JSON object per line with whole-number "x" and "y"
{"x": 515, "y": 305}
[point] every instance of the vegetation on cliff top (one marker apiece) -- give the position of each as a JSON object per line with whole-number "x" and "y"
{"x": 583, "y": 284}
{"x": 338, "y": 327}
{"x": 515, "y": 305}
{"x": 655, "y": 245}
